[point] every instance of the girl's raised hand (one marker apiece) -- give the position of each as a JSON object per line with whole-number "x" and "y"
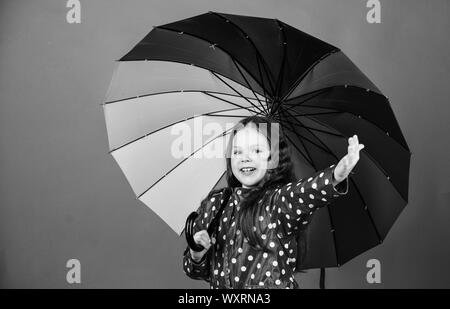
{"x": 348, "y": 162}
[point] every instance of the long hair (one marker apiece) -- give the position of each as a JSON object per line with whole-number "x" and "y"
{"x": 281, "y": 174}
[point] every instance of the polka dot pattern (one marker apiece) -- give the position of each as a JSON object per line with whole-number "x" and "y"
{"x": 296, "y": 204}
{"x": 232, "y": 262}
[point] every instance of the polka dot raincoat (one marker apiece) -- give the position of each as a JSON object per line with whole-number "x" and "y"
{"x": 232, "y": 263}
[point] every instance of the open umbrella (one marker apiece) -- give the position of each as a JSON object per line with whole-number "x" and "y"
{"x": 214, "y": 69}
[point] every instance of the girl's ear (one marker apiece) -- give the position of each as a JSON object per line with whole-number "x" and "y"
{"x": 273, "y": 161}
{"x": 271, "y": 165}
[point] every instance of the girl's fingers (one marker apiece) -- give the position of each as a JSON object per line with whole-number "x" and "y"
{"x": 350, "y": 160}
{"x": 201, "y": 241}
{"x": 354, "y": 145}
{"x": 202, "y": 233}
{"x": 202, "y": 238}
{"x": 206, "y": 239}
{"x": 197, "y": 238}
{"x": 204, "y": 243}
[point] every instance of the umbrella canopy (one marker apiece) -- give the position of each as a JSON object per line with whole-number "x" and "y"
{"x": 214, "y": 69}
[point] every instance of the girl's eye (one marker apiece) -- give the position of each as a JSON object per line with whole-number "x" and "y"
{"x": 235, "y": 152}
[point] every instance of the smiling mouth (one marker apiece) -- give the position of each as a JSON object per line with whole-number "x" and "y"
{"x": 247, "y": 170}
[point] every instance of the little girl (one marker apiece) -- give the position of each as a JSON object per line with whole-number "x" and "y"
{"x": 255, "y": 242}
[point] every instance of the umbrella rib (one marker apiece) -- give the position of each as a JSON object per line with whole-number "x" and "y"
{"x": 307, "y": 156}
{"x": 262, "y": 79}
{"x": 365, "y": 152}
{"x": 166, "y": 126}
{"x": 265, "y": 66}
{"x": 280, "y": 76}
{"x": 169, "y": 92}
{"x": 187, "y": 63}
{"x": 216, "y": 46}
{"x": 300, "y": 79}
{"x": 330, "y": 217}
{"x": 212, "y": 114}
{"x": 182, "y": 161}
{"x": 315, "y": 129}
{"x": 298, "y": 58}
{"x": 313, "y": 114}
{"x": 301, "y": 141}
{"x": 328, "y": 210}
{"x": 219, "y": 180}
{"x": 231, "y": 116}
{"x": 248, "y": 84}
{"x": 306, "y": 138}
{"x": 238, "y": 92}
{"x": 283, "y": 62}
{"x": 222, "y": 99}
{"x": 372, "y": 221}
{"x": 344, "y": 111}
{"x": 356, "y": 187}
{"x": 336, "y": 86}
{"x": 315, "y": 94}
{"x": 309, "y": 129}
{"x": 260, "y": 60}
{"x": 292, "y": 142}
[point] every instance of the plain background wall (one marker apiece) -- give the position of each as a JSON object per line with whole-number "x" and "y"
{"x": 62, "y": 195}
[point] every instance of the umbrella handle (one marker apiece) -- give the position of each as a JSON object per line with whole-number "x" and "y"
{"x": 189, "y": 227}
{"x": 188, "y": 232}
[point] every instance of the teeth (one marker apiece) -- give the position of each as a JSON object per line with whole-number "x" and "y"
{"x": 247, "y": 169}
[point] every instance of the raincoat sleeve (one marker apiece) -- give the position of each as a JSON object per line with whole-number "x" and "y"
{"x": 196, "y": 270}
{"x": 295, "y": 203}
{"x": 201, "y": 270}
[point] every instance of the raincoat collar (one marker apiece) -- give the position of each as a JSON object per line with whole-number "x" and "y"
{"x": 243, "y": 191}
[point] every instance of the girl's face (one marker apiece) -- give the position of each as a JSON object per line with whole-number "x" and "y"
{"x": 249, "y": 154}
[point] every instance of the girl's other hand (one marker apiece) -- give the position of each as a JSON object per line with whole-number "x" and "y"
{"x": 348, "y": 162}
{"x": 201, "y": 238}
